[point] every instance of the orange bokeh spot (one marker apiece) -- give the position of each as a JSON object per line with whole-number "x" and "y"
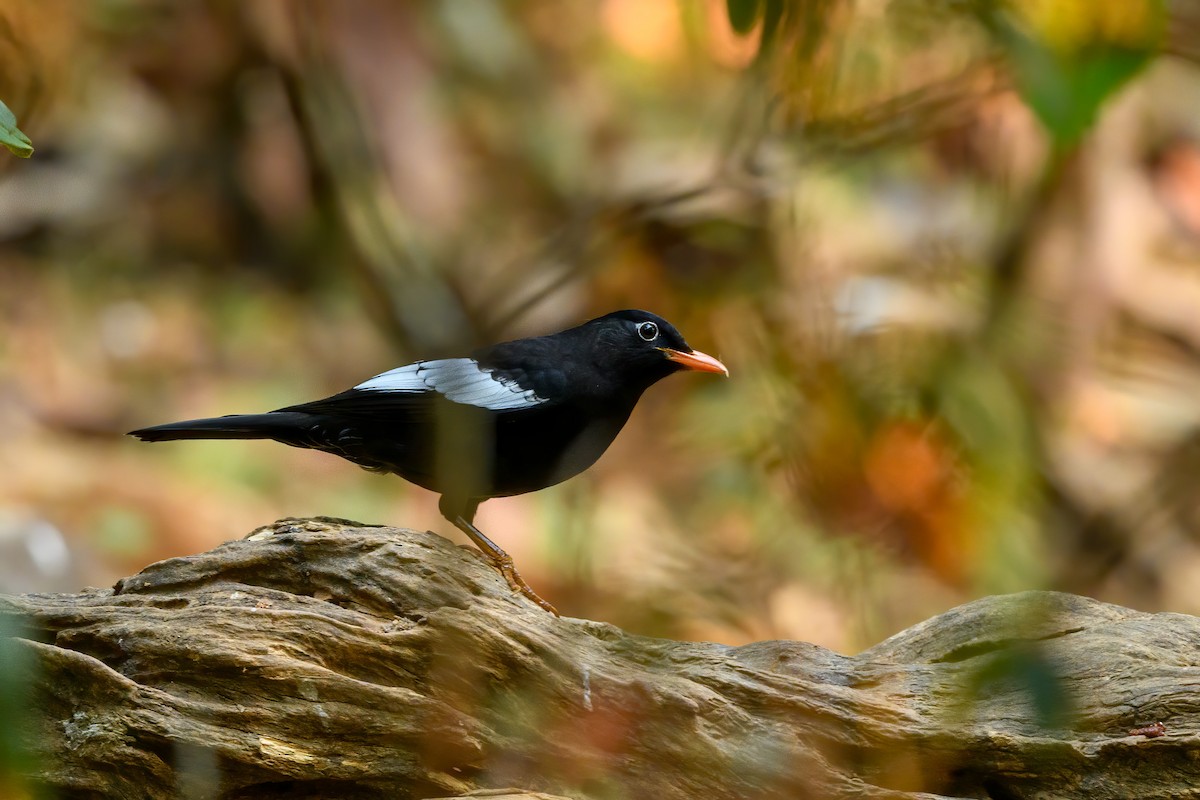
{"x": 647, "y": 29}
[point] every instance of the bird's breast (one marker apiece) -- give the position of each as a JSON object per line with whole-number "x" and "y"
{"x": 533, "y": 451}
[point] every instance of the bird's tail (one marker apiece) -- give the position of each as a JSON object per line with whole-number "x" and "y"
{"x": 282, "y": 426}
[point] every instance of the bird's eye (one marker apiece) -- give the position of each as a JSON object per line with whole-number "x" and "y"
{"x": 648, "y": 331}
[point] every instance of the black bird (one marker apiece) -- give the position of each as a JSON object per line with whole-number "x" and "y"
{"x": 508, "y": 419}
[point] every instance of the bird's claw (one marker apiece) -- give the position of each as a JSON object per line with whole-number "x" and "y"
{"x": 517, "y": 583}
{"x": 500, "y": 560}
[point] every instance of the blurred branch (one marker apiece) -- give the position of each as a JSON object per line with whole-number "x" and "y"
{"x": 1128, "y": 543}
{"x": 911, "y": 116}
{"x": 407, "y": 290}
{"x": 340, "y": 660}
{"x": 1183, "y": 30}
{"x": 564, "y": 253}
{"x": 563, "y": 257}
{"x": 1007, "y": 275}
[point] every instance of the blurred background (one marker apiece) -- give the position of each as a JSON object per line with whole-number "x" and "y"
{"x": 949, "y": 250}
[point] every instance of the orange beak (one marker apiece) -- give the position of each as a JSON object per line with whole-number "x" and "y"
{"x": 700, "y": 362}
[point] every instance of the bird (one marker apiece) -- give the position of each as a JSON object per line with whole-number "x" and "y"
{"x": 507, "y": 419}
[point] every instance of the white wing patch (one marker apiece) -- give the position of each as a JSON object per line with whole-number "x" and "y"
{"x": 459, "y": 379}
{"x": 400, "y": 379}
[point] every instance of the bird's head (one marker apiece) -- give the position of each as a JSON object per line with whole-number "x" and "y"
{"x": 645, "y": 348}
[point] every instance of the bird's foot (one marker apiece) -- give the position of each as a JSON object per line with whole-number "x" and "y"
{"x": 504, "y": 564}
{"x": 501, "y": 560}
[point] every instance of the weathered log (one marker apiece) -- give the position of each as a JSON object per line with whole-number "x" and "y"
{"x": 322, "y": 658}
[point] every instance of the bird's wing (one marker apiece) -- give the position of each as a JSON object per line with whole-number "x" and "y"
{"x": 416, "y": 385}
{"x": 462, "y": 380}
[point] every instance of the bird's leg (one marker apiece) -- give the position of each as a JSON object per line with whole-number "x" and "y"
{"x": 502, "y": 561}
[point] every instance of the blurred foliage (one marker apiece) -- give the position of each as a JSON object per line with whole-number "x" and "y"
{"x": 948, "y": 249}
{"x": 10, "y": 135}
{"x": 15, "y": 751}
{"x": 1069, "y": 56}
{"x": 1024, "y": 670}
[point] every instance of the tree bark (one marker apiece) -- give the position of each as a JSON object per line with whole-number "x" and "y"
{"x": 323, "y": 658}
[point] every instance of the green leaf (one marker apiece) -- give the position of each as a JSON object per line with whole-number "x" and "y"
{"x": 1066, "y": 94}
{"x": 743, "y": 14}
{"x": 1067, "y": 66}
{"x": 11, "y": 136}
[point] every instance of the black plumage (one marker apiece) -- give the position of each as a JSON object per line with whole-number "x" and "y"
{"x": 508, "y": 419}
